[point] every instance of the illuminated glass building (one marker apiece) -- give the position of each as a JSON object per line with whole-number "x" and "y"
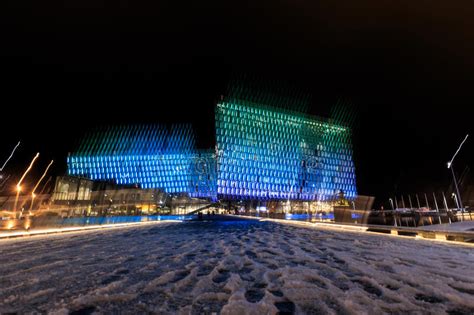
{"x": 204, "y": 175}
{"x": 262, "y": 153}
{"x": 147, "y": 155}
{"x": 268, "y": 153}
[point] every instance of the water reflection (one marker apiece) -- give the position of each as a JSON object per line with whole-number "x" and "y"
{"x": 318, "y": 217}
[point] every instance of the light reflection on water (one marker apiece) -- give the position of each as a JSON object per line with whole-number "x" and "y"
{"x": 315, "y": 217}
{"x": 299, "y": 216}
{"x": 308, "y": 217}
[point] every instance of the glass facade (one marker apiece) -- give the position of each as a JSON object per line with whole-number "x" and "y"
{"x": 203, "y": 175}
{"x": 261, "y": 153}
{"x": 149, "y": 156}
{"x": 267, "y": 153}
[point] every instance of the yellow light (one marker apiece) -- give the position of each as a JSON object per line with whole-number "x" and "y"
{"x": 77, "y": 229}
{"x": 10, "y": 225}
{"x": 18, "y": 188}
{"x": 33, "y": 195}
{"x": 28, "y": 169}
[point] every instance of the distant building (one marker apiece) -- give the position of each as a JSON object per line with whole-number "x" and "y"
{"x": 68, "y": 188}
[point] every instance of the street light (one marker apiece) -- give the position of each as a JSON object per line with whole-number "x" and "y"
{"x": 450, "y": 165}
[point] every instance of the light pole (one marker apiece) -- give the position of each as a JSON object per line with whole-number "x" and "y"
{"x": 435, "y": 202}
{"x": 455, "y": 199}
{"x": 446, "y": 206}
{"x": 450, "y": 165}
{"x": 418, "y": 201}
{"x": 393, "y": 209}
{"x": 457, "y": 204}
{"x": 437, "y": 209}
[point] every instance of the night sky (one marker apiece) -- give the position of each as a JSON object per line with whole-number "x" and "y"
{"x": 406, "y": 66}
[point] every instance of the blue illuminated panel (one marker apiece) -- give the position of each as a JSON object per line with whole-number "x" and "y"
{"x": 265, "y": 153}
{"x": 150, "y": 156}
{"x": 203, "y": 175}
{"x": 261, "y": 153}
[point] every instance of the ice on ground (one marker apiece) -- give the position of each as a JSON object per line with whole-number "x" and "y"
{"x": 234, "y": 267}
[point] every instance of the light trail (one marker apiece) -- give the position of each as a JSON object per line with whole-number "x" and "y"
{"x": 4, "y": 181}
{"x": 45, "y": 184}
{"x": 14, "y": 149}
{"x": 18, "y": 185}
{"x": 457, "y": 151}
{"x": 37, "y": 184}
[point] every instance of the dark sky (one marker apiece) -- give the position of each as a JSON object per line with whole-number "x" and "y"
{"x": 407, "y": 66}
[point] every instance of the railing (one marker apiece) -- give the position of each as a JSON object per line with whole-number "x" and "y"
{"x": 408, "y": 218}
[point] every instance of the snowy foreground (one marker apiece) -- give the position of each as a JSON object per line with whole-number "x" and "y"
{"x": 233, "y": 267}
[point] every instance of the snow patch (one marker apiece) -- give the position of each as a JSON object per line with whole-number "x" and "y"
{"x": 232, "y": 267}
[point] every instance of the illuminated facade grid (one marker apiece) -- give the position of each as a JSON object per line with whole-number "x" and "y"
{"x": 204, "y": 175}
{"x": 266, "y": 153}
{"x": 262, "y": 153}
{"x": 150, "y": 156}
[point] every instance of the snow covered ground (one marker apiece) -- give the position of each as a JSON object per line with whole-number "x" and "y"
{"x": 233, "y": 267}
